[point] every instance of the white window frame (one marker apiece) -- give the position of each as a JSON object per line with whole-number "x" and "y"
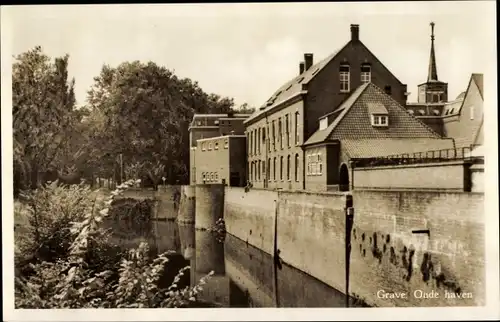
{"x": 366, "y": 77}
{"x": 345, "y": 79}
{"x": 380, "y": 120}
{"x": 471, "y": 112}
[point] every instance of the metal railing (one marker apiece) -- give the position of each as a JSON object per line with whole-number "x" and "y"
{"x": 463, "y": 153}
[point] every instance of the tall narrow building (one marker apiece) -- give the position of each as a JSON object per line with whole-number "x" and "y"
{"x": 432, "y": 91}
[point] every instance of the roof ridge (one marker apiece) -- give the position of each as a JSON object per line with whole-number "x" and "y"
{"x": 406, "y": 111}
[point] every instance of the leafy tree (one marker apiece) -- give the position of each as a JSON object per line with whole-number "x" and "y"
{"x": 145, "y": 111}
{"x": 43, "y": 104}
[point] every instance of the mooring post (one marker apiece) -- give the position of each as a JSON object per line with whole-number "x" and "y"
{"x": 349, "y": 216}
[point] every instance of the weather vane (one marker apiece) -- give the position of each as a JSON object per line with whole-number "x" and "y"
{"x": 432, "y": 30}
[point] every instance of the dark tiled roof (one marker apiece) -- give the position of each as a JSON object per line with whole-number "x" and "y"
{"x": 322, "y": 135}
{"x": 292, "y": 87}
{"x": 356, "y": 124}
{"x": 368, "y": 148}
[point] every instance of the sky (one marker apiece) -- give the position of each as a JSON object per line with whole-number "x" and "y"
{"x": 246, "y": 51}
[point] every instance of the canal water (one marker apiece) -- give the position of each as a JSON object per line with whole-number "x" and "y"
{"x": 244, "y": 275}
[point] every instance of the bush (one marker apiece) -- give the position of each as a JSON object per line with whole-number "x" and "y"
{"x": 84, "y": 270}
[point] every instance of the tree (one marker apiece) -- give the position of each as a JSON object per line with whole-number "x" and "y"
{"x": 43, "y": 103}
{"x": 146, "y": 111}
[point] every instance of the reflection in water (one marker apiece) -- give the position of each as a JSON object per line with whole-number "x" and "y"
{"x": 244, "y": 275}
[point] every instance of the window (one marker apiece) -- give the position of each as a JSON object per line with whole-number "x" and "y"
{"x": 249, "y": 165}
{"x": 280, "y": 133}
{"x": 388, "y": 90}
{"x": 248, "y": 143}
{"x": 226, "y": 143}
{"x": 288, "y": 168}
{"x": 411, "y": 112}
{"x": 268, "y": 173}
{"x": 281, "y": 168}
{"x": 203, "y": 146}
{"x": 365, "y": 73}
{"x": 216, "y": 176}
{"x": 274, "y": 169}
{"x": 255, "y": 142}
{"x": 264, "y": 169}
{"x": 204, "y": 175}
{"x": 472, "y": 112}
{"x": 320, "y": 164}
{"x": 297, "y": 136}
{"x": 344, "y": 74}
{"x": 380, "y": 120}
{"x": 297, "y": 167}
{"x": 274, "y": 135}
{"x": 287, "y": 131}
{"x": 210, "y": 146}
{"x": 258, "y": 171}
{"x": 258, "y": 140}
{"x": 216, "y": 146}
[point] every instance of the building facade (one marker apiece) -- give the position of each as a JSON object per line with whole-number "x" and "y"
{"x": 368, "y": 124}
{"x": 208, "y": 126}
{"x": 221, "y": 159}
{"x": 460, "y": 119}
{"x": 276, "y": 131}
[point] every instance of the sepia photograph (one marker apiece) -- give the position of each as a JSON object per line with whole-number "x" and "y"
{"x": 255, "y": 161}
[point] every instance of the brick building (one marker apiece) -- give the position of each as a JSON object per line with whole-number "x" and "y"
{"x": 369, "y": 123}
{"x": 460, "y": 119}
{"x": 277, "y": 130}
{"x": 208, "y": 126}
{"x": 221, "y": 159}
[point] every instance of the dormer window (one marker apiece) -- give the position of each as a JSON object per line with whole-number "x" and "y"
{"x": 344, "y": 74}
{"x": 380, "y": 120}
{"x": 379, "y": 114}
{"x": 422, "y": 112}
{"x": 365, "y": 73}
{"x": 437, "y": 112}
{"x": 411, "y": 112}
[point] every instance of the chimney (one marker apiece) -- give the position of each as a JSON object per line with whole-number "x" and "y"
{"x": 355, "y": 32}
{"x": 308, "y": 59}
{"x": 301, "y": 67}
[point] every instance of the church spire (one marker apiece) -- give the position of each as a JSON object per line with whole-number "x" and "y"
{"x": 432, "y": 76}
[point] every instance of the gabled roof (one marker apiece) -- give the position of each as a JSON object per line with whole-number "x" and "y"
{"x": 354, "y": 122}
{"x": 322, "y": 135}
{"x": 293, "y": 87}
{"x": 478, "y": 79}
{"x": 370, "y": 148}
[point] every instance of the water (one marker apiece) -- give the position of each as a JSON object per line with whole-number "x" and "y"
{"x": 244, "y": 275}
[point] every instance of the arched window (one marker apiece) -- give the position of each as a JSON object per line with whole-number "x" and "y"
{"x": 297, "y": 167}
{"x": 345, "y": 78}
{"x": 288, "y": 167}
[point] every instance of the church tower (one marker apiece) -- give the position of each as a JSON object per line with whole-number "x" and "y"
{"x": 432, "y": 91}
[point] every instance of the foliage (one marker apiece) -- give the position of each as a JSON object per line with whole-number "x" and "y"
{"x": 73, "y": 282}
{"x": 43, "y": 114}
{"x": 145, "y": 111}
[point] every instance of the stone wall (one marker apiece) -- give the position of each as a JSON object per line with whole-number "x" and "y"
{"x": 391, "y": 249}
{"x": 436, "y": 176}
